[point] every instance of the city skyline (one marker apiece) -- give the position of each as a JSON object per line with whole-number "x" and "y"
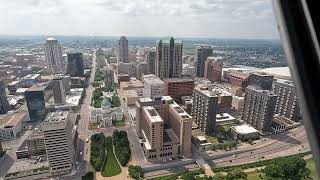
{"x": 215, "y": 19}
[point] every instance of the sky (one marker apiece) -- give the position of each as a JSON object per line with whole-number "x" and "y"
{"x": 251, "y": 19}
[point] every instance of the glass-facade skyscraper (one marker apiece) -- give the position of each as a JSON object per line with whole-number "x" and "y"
{"x": 36, "y": 103}
{"x": 75, "y": 64}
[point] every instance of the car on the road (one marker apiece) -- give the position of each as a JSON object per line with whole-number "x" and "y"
{"x": 234, "y": 156}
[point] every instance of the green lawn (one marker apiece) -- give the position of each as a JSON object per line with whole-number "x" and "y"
{"x": 311, "y": 165}
{"x": 111, "y": 166}
{"x": 254, "y": 175}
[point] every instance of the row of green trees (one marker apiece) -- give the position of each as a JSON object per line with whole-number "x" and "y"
{"x": 99, "y": 75}
{"x": 287, "y": 168}
{"x": 226, "y": 145}
{"x": 135, "y": 172}
{"x": 83, "y": 95}
{"x": 97, "y": 97}
{"x": 97, "y": 154}
{"x": 121, "y": 147}
{"x": 88, "y": 176}
{"x": 115, "y": 100}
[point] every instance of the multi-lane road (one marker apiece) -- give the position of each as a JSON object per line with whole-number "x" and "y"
{"x": 291, "y": 142}
{"x": 84, "y": 121}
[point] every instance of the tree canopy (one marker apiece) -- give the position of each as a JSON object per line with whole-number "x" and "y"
{"x": 287, "y": 168}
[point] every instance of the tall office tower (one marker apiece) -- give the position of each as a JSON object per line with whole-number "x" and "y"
{"x": 35, "y": 98}
{"x": 169, "y": 58}
{"x": 123, "y": 50}
{"x": 75, "y": 64}
{"x": 142, "y": 69}
{"x": 258, "y": 108}
{"x": 153, "y": 87}
{"x": 165, "y": 128}
{"x": 213, "y": 69}
{"x": 287, "y": 103}
{"x": 203, "y": 52}
{"x": 53, "y": 54}
{"x": 204, "y": 109}
{"x": 59, "y": 93}
{"x": 59, "y": 136}
{"x": 151, "y": 60}
{"x": 66, "y": 83}
{"x": 4, "y": 105}
{"x": 262, "y": 80}
{"x": 178, "y": 88}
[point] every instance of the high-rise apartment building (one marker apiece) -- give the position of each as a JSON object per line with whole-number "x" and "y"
{"x": 178, "y": 88}
{"x": 204, "y": 109}
{"x": 213, "y": 69}
{"x": 203, "y": 52}
{"x": 53, "y": 54}
{"x": 287, "y": 103}
{"x": 123, "y": 53}
{"x": 75, "y": 64}
{"x": 59, "y": 93}
{"x": 4, "y": 105}
{"x": 169, "y": 58}
{"x": 258, "y": 109}
{"x": 262, "y": 80}
{"x": 165, "y": 128}
{"x": 151, "y": 60}
{"x": 153, "y": 87}
{"x": 35, "y": 98}
{"x": 59, "y": 136}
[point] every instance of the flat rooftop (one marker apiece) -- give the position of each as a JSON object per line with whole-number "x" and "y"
{"x": 224, "y": 117}
{"x": 131, "y": 93}
{"x": 204, "y": 89}
{"x": 152, "y": 79}
{"x": 37, "y": 87}
{"x": 31, "y": 76}
{"x": 132, "y": 83}
{"x": 177, "y": 80}
{"x": 145, "y": 99}
{"x": 258, "y": 89}
{"x": 244, "y": 129}
{"x": 57, "y": 116}
{"x": 278, "y": 72}
{"x": 152, "y": 114}
{"x": 181, "y": 113}
{"x": 27, "y": 165}
{"x": 166, "y": 98}
{"x": 21, "y": 90}
{"x": 283, "y": 81}
{"x": 11, "y": 119}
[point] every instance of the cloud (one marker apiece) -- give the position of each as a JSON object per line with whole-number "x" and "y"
{"x": 140, "y": 17}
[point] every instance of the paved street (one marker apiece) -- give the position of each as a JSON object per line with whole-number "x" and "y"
{"x": 282, "y": 144}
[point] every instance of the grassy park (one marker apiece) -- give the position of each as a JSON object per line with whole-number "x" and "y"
{"x": 111, "y": 166}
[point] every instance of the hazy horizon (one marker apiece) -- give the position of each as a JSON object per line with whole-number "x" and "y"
{"x": 241, "y": 19}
